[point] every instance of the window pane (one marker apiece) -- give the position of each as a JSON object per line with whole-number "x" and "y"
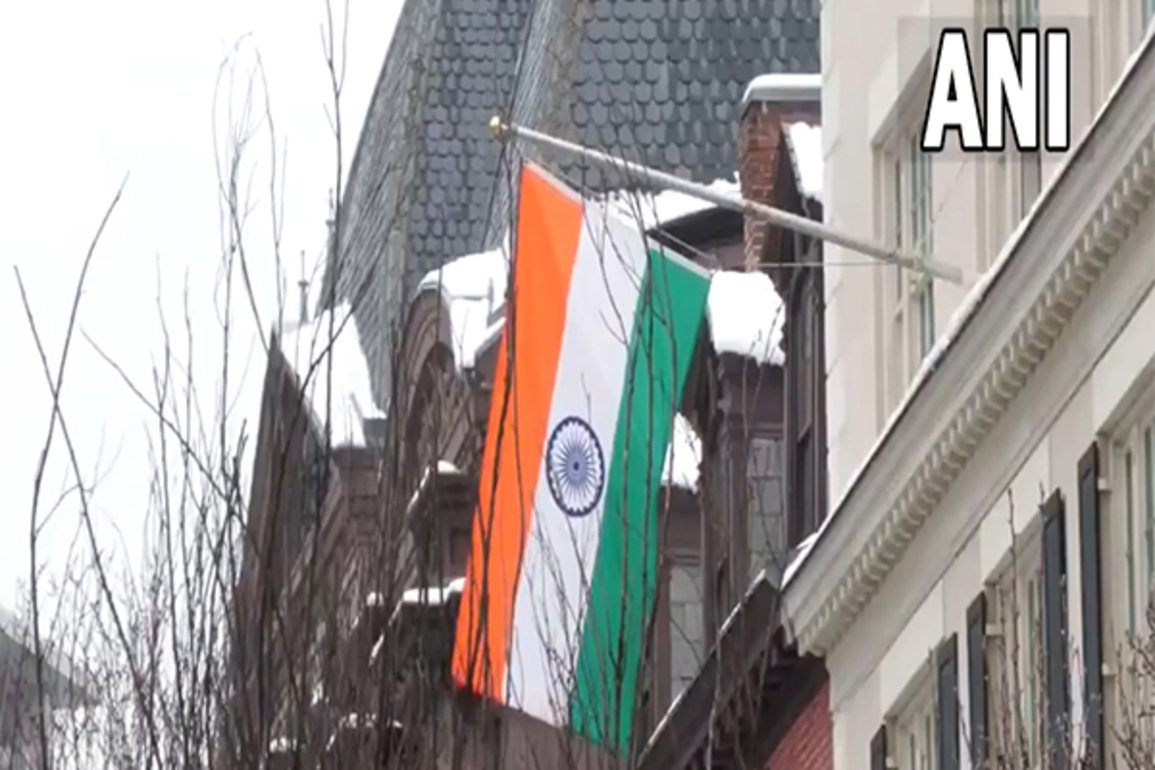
{"x": 686, "y": 632}
{"x": 925, "y": 197}
{"x": 804, "y": 494}
{"x": 926, "y": 318}
{"x": 1028, "y": 13}
{"x": 1032, "y": 664}
{"x": 1149, "y": 486}
{"x": 805, "y": 369}
{"x": 918, "y": 198}
{"x": 1129, "y": 521}
{"x": 898, "y": 212}
{"x": 766, "y": 522}
{"x": 928, "y": 747}
{"x": 1030, "y": 179}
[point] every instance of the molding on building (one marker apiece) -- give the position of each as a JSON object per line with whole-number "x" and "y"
{"x": 1064, "y": 250}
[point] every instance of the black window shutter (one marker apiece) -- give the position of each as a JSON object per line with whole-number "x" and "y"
{"x": 1055, "y": 629}
{"x": 1091, "y": 594}
{"x": 977, "y": 680}
{"x": 948, "y": 723}
{"x": 878, "y": 750}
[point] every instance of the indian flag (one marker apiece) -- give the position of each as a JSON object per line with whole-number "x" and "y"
{"x": 599, "y": 335}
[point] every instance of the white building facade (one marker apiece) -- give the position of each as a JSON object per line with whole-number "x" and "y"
{"x": 990, "y": 551}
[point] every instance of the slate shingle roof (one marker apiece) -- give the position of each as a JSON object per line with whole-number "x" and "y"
{"x": 659, "y": 81}
{"x": 471, "y": 74}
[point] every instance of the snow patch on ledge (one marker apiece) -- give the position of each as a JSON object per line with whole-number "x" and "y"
{"x": 422, "y": 595}
{"x": 472, "y": 288}
{"x": 434, "y": 596}
{"x": 683, "y": 456}
{"x": 339, "y": 367}
{"x": 805, "y": 142}
{"x": 746, "y": 316}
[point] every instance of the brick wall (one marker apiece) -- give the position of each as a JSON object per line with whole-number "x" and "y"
{"x": 759, "y": 145}
{"x": 808, "y": 743}
{"x": 759, "y": 135}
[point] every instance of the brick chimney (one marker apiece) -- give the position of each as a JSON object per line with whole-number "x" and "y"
{"x": 770, "y": 102}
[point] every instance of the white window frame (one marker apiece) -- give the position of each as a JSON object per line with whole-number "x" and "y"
{"x": 908, "y": 224}
{"x": 1133, "y": 476}
{"x": 1127, "y": 519}
{"x": 1122, "y": 24}
{"x": 915, "y": 725}
{"x": 1017, "y": 181}
{"x": 1015, "y": 616}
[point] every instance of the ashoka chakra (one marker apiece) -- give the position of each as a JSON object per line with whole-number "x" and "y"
{"x": 575, "y": 466}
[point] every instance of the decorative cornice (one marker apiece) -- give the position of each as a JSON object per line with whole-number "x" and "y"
{"x": 1005, "y": 372}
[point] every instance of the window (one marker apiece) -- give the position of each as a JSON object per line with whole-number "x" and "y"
{"x": 806, "y": 397}
{"x": 686, "y": 637}
{"x": 1126, "y": 565}
{"x": 766, "y": 522}
{"x": 1147, "y": 11}
{"x": 911, "y": 229}
{"x": 916, "y": 747}
{"x": 1149, "y": 501}
{"x": 1137, "y": 503}
{"x": 1015, "y": 659}
{"x": 1024, "y": 178}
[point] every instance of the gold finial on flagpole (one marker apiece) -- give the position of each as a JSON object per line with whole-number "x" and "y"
{"x": 498, "y": 128}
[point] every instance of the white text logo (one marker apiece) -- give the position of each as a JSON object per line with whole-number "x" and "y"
{"x": 1027, "y": 85}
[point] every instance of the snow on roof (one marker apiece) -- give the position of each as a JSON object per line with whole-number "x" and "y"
{"x": 656, "y": 209}
{"x": 473, "y": 290}
{"x": 746, "y": 316}
{"x": 422, "y": 596}
{"x": 971, "y": 303}
{"x": 282, "y": 745}
{"x": 799, "y": 556}
{"x": 805, "y": 142}
{"x": 354, "y": 721}
{"x": 306, "y": 347}
{"x": 433, "y": 595}
{"x": 683, "y": 456}
{"x": 783, "y": 87}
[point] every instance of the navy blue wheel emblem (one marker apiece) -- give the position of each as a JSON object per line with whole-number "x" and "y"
{"x": 575, "y": 467}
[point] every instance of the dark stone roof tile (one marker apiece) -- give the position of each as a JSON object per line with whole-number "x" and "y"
{"x": 656, "y": 80}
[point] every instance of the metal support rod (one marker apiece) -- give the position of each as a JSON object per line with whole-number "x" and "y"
{"x": 503, "y": 131}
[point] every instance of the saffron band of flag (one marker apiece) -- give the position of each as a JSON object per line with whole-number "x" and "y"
{"x": 599, "y": 334}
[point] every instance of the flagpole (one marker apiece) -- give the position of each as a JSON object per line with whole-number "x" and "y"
{"x": 503, "y": 131}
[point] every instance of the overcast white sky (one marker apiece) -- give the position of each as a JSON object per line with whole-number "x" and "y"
{"x": 92, "y": 92}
